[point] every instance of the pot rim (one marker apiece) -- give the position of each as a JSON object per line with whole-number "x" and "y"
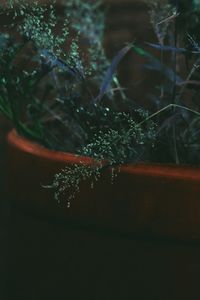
{"x": 31, "y": 147}
{"x": 184, "y": 172}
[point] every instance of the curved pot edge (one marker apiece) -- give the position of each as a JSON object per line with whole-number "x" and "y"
{"x": 181, "y": 172}
{"x": 27, "y": 146}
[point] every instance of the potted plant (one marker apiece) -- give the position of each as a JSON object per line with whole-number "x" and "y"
{"x": 61, "y": 92}
{"x": 73, "y": 104}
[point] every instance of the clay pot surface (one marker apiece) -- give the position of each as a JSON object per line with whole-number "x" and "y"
{"x": 145, "y": 199}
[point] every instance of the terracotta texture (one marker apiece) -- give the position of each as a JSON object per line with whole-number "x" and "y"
{"x": 163, "y": 200}
{"x": 150, "y": 200}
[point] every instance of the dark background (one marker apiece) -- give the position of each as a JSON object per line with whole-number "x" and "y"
{"x": 46, "y": 260}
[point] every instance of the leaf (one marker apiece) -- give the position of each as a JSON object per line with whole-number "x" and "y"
{"x": 141, "y": 52}
{"x": 155, "y": 64}
{"x": 51, "y": 60}
{"x": 171, "y": 48}
{"x": 167, "y": 48}
{"x": 168, "y": 72}
{"x": 111, "y": 71}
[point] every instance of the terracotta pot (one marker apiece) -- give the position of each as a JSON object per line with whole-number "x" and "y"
{"x": 151, "y": 200}
{"x": 164, "y": 200}
{"x": 31, "y": 166}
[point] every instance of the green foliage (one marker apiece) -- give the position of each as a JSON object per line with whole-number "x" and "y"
{"x": 176, "y": 96}
{"x": 57, "y": 88}
{"x": 125, "y": 141}
{"x": 88, "y": 20}
{"x": 40, "y": 31}
{"x": 68, "y": 181}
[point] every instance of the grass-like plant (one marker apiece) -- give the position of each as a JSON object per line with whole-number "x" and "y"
{"x": 59, "y": 89}
{"x": 176, "y": 97}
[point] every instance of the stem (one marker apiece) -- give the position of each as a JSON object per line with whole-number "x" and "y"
{"x": 162, "y": 84}
{"x": 174, "y": 87}
{"x": 172, "y": 105}
{"x": 116, "y": 81}
{"x": 177, "y": 160}
{"x": 188, "y": 78}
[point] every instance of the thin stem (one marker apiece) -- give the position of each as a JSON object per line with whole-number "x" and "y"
{"x": 188, "y": 78}
{"x": 174, "y": 81}
{"x": 172, "y": 105}
{"x": 121, "y": 90}
{"x": 162, "y": 84}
